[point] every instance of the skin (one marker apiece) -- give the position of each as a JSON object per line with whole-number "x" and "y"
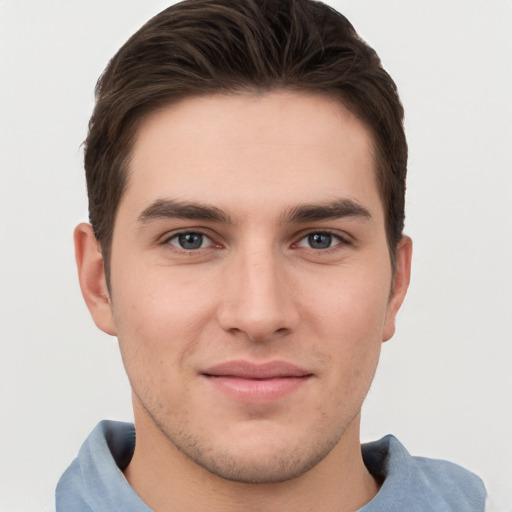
{"x": 267, "y": 276}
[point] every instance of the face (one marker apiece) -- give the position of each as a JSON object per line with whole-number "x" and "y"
{"x": 251, "y": 280}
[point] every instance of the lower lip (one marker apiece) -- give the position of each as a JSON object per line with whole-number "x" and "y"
{"x": 258, "y": 390}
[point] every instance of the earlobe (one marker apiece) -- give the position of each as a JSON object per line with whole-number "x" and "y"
{"x": 400, "y": 285}
{"x": 91, "y": 274}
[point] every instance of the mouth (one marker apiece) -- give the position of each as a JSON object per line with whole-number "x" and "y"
{"x": 257, "y": 383}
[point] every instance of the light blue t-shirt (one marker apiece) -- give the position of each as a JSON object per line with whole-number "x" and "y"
{"x": 94, "y": 482}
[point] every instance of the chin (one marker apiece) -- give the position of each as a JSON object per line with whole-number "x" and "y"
{"x": 257, "y": 459}
{"x": 257, "y": 468}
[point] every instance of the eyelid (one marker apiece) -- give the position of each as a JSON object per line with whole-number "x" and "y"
{"x": 166, "y": 239}
{"x": 343, "y": 238}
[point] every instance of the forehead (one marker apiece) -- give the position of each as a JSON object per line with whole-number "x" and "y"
{"x": 249, "y": 150}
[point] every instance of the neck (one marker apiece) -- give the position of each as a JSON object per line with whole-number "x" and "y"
{"x": 167, "y": 480}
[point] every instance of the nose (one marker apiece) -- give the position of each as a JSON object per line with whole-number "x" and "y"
{"x": 258, "y": 299}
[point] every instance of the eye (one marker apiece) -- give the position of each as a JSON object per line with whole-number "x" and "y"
{"x": 190, "y": 241}
{"x": 320, "y": 240}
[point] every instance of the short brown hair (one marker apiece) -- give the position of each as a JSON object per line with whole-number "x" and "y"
{"x": 206, "y": 46}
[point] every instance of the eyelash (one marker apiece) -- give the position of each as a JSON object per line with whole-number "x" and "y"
{"x": 176, "y": 236}
{"x": 336, "y": 240}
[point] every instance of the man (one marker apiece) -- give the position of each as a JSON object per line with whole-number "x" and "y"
{"x": 246, "y": 167}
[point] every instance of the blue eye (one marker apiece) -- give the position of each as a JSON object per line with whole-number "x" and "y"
{"x": 319, "y": 240}
{"x": 190, "y": 241}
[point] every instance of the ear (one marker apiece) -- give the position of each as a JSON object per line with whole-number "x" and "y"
{"x": 400, "y": 284}
{"x": 91, "y": 274}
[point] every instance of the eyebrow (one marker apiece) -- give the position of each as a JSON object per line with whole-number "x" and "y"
{"x": 331, "y": 210}
{"x": 170, "y": 208}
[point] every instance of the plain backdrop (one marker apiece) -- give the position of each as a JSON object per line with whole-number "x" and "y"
{"x": 444, "y": 384}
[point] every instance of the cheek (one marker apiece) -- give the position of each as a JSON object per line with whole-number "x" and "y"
{"x": 159, "y": 321}
{"x": 351, "y": 310}
{"x": 348, "y": 320}
{"x": 158, "y": 303}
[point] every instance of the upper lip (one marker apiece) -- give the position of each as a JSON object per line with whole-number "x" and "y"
{"x": 249, "y": 370}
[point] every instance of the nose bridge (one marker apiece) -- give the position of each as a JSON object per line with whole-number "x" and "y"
{"x": 257, "y": 297}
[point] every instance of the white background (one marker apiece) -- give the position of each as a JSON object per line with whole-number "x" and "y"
{"x": 444, "y": 386}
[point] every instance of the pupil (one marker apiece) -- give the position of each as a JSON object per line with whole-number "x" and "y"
{"x": 191, "y": 240}
{"x": 320, "y": 240}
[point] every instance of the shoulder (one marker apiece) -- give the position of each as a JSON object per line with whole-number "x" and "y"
{"x": 418, "y": 483}
{"x": 94, "y": 481}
